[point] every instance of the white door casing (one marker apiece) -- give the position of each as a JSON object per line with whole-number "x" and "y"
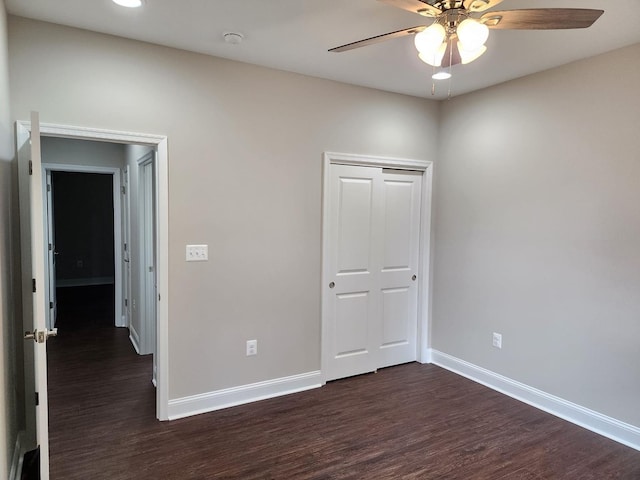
{"x": 375, "y": 281}
{"x": 34, "y": 285}
{"x": 117, "y": 224}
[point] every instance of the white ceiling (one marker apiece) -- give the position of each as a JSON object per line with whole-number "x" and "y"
{"x": 295, "y": 35}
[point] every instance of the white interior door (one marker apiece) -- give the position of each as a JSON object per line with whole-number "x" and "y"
{"x": 373, "y": 249}
{"x": 352, "y": 333}
{"x": 126, "y": 253}
{"x": 400, "y": 218}
{"x": 51, "y": 253}
{"x": 146, "y": 218}
{"x": 33, "y": 244}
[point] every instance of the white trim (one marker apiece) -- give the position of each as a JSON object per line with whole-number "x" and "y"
{"x": 604, "y": 425}
{"x": 230, "y": 397}
{"x": 117, "y": 226}
{"x": 374, "y": 161}
{"x": 134, "y": 338}
{"x": 159, "y": 142}
{"x": 424, "y": 275}
{"x": 17, "y": 459}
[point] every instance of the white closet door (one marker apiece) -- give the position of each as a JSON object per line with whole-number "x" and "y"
{"x": 398, "y": 295}
{"x": 353, "y": 306}
{"x": 373, "y": 237}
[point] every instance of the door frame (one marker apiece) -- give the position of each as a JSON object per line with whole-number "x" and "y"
{"x": 160, "y": 144}
{"x": 117, "y": 224}
{"x": 424, "y": 273}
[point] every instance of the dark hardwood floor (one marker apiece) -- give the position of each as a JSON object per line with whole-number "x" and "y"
{"x": 407, "y": 422}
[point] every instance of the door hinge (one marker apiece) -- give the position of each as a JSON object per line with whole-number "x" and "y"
{"x": 48, "y": 188}
{"x": 124, "y": 190}
{"x": 37, "y": 399}
{"x": 126, "y": 302}
{"x": 50, "y": 247}
{"x": 125, "y": 247}
{"x": 30, "y": 167}
{"x": 33, "y": 285}
{"x": 50, "y": 304}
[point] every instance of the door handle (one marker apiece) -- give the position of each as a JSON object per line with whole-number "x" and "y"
{"x": 40, "y": 336}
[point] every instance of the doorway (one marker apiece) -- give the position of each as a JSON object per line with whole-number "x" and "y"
{"x": 159, "y": 145}
{"x": 83, "y": 228}
{"x": 375, "y": 282}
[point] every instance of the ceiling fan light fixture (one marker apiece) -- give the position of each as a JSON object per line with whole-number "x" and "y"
{"x": 472, "y": 34}
{"x": 468, "y": 56}
{"x": 430, "y": 39}
{"x": 128, "y": 3}
{"x": 434, "y": 57}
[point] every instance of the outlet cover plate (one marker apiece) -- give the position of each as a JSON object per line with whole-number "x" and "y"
{"x": 497, "y": 340}
{"x": 252, "y": 347}
{"x": 197, "y": 253}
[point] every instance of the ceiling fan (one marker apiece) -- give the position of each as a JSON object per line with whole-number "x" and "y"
{"x": 460, "y": 30}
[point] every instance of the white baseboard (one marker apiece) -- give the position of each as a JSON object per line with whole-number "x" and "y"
{"x": 609, "y": 427}
{"x": 16, "y": 460}
{"x": 135, "y": 339}
{"x": 229, "y": 397}
{"x": 122, "y": 321}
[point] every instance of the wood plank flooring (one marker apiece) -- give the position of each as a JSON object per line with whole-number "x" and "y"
{"x": 407, "y": 422}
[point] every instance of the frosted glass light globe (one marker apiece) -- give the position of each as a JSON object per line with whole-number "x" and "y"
{"x": 435, "y": 57}
{"x": 468, "y": 56}
{"x": 429, "y": 40}
{"x": 472, "y": 34}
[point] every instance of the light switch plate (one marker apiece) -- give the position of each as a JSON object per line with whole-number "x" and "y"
{"x": 197, "y": 253}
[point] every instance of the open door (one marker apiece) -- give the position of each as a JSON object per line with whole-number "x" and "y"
{"x": 34, "y": 285}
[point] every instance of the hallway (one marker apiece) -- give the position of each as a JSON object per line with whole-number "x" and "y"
{"x": 99, "y": 388}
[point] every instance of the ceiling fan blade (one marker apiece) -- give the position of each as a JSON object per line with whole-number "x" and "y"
{"x": 541, "y": 18}
{"x": 415, "y": 6}
{"x": 480, "y": 5}
{"x": 379, "y": 38}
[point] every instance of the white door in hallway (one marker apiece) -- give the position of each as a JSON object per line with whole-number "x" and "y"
{"x": 371, "y": 296}
{"x": 34, "y": 285}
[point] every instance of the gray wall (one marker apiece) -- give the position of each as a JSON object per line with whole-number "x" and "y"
{"x": 68, "y": 151}
{"x": 10, "y": 372}
{"x": 537, "y": 228}
{"x": 245, "y": 151}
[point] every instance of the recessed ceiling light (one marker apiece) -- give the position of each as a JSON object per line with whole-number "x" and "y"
{"x": 441, "y": 75}
{"x": 128, "y": 3}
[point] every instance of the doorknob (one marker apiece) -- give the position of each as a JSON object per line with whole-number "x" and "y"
{"x": 40, "y": 336}
{"x": 414, "y": 278}
{"x": 332, "y": 284}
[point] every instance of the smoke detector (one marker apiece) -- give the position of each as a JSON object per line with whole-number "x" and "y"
{"x": 233, "y": 38}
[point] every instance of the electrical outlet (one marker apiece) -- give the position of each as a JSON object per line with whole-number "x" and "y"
{"x": 197, "y": 253}
{"x": 252, "y": 347}
{"x": 497, "y": 340}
